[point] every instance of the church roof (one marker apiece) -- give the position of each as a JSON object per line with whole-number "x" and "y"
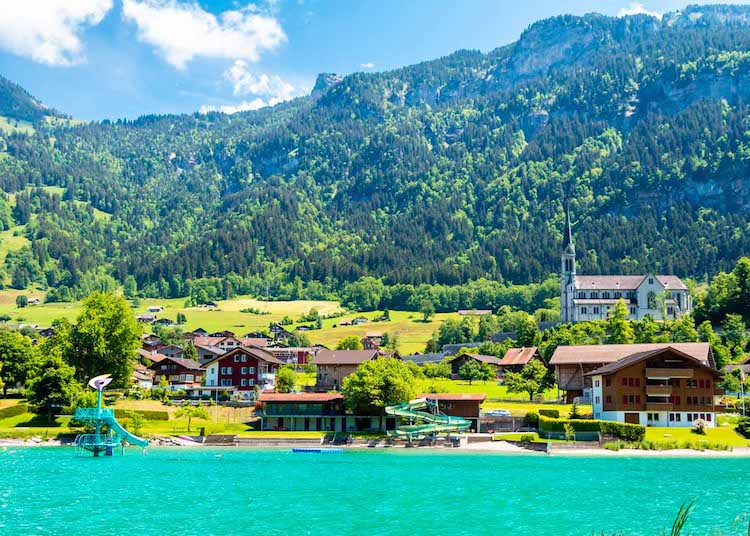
{"x": 568, "y": 243}
{"x": 625, "y": 282}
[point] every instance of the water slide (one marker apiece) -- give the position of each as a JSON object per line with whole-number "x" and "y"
{"x": 432, "y": 423}
{"x": 106, "y": 417}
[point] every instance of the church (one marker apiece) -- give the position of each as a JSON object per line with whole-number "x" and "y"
{"x": 590, "y": 297}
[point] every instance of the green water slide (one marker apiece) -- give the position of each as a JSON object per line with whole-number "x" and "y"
{"x": 425, "y": 422}
{"x": 116, "y": 433}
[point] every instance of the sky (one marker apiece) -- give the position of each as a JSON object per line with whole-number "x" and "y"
{"x": 109, "y": 59}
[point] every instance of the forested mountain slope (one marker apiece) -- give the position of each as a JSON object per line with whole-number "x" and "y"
{"x": 443, "y": 172}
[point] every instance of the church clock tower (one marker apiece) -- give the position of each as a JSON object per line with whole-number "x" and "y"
{"x": 568, "y": 273}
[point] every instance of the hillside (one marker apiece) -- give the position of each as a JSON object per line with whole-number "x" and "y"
{"x": 443, "y": 172}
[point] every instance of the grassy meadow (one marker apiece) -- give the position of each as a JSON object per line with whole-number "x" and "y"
{"x": 412, "y": 333}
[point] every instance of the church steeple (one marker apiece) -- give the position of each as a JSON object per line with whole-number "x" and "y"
{"x": 568, "y": 272}
{"x": 568, "y": 243}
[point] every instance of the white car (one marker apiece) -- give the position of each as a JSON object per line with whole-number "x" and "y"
{"x": 498, "y": 413}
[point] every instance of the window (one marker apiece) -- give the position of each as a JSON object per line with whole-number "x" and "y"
{"x": 594, "y": 295}
{"x": 598, "y": 400}
{"x": 633, "y": 311}
{"x": 678, "y": 417}
{"x": 251, "y": 382}
{"x": 596, "y": 383}
{"x": 609, "y": 399}
{"x": 236, "y": 359}
{"x": 651, "y": 298}
{"x": 700, "y": 384}
{"x": 584, "y": 310}
{"x": 244, "y": 359}
{"x": 605, "y": 295}
{"x": 618, "y": 295}
{"x": 625, "y": 399}
{"x": 608, "y": 382}
{"x": 670, "y": 311}
{"x": 624, "y": 382}
{"x": 671, "y": 417}
{"x": 251, "y": 370}
{"x": 229, "y": 370}
{"x": 650, "y": 280}
{"x": 708, "y": 417}
{"x": 637, "y": 399}
{"x": 226, "y": 383}
{"x": 581, "y": 295}
{"x": 189, "y": 377}
{"x": 596, "y": 310}
{"x": 243, "y": 382}
{"x": 243, "y": 370}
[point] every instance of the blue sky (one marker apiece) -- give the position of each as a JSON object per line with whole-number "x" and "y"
{"x": 97, "y": 59}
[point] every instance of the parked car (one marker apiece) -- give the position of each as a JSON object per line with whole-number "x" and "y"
{"x": 498, "y": 413}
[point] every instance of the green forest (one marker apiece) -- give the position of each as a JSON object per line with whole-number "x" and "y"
{"x": 450, "y": 176}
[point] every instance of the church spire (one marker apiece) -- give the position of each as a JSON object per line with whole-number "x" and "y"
{"x": 568, "y": 243}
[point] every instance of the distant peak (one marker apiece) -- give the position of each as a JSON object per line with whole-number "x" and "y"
{"x": 324, "y": 82}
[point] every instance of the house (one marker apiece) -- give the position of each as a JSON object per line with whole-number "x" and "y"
{"x": 360, "y": 320}
{"x": 590, "y": 297}
{"x": 149, "y": 340}
{"x": 145, "y": 354}
{"x": 460, "y": 360}
{"x": 421, "y": 359}
{"x": 660, "y": 387}
{"x": 33, "y": 301}
{"x": 372, "y": 340}
{"x": 171, "y": 350}
{"x": 180, "y": 373}
{"x": 278, "y": 332}
{"x": 256, "y": 335}
{"x": 335, "y": 365}
{"x": 261, "y": 342}
{"x": 200, "y": 332}
{"x": 225, "y": 333}
{"x": 303, "y": 328}
{"x": 208, "y": 353}
{"x": 210, "y": 304}
{"x": 164, "y": 322}
{"x": 45, "y": 332}
{"x": 466, "y": 405}
{"x": 143, "y": 378}
{"x": 145, "y": 319}
{"x": 345, "y": 323}
{"x": 244, "y": 369}
{"x": 293, "y": 355}
{"x": 516, "y": 358}
{"x": 155, "y": 309}
{"x": 572, "y": 363}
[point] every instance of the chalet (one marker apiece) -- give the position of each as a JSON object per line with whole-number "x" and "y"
{"x": 278, "y": 332}
{"x": 200, "y": 332}
{"x": 145, "y": 354}
{"x": 210, "y": 304}
{"x": 658, "y": 387}
{"x": 474, "y": 312}
{"x": 303, "y": 328}
{"x": 155, "y": 309}
{"x": 322, "y": 412}
{"x": 164, "y": 322}
{"x": 180, "y": 373}
{"x": 466, "y": 405}
{"x": 516, "y": 358}
{"x": 572, "y": 363}
{"x": 292, "y": 355}
{"x": 256, "y": 335}
{"x": 360, "y": 320}
{"x": 45, "y": 332}
{"x": 143, "y": 378}
{"x": 345, "y": 323}
{"x": 146, "y": 319}
{"x": 260, "y": 342}
{"x": 225, "y": 333}
{"x": 372, "y": 340}
{"x": 171, "y": 350}
{"x": 335, "y": 365}
{"x": 244, "y": 369}
{"x": 33, "y": 301}
{"x": 208, "y": 353}
{"x": 149, "y": 340}
{"x": 460, "y": 360}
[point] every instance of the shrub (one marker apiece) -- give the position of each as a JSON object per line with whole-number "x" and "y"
{"x": 150, "y": 415}
{"x": 628, "y": 432}
{"x": 14, "y": 411}
{"x": 558, "y": 425}
{"x": 527, "y": 438}
{"x": 552, "y": 413}
{"x": 532, "y": 419}
{"x": 743, "y": 426}
{"x": 699, "y": 426}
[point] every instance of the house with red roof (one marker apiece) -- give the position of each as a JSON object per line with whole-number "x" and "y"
{"x": 241, "y": 370}
{"x": 516, "y": 358}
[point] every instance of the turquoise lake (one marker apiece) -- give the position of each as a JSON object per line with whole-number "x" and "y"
{"x": 233, "y": 491}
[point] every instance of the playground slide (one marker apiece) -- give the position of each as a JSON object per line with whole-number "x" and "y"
{"x": 434, "y": 423}
{"x": 124, "y": 434}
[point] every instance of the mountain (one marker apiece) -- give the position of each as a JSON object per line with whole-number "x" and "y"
{"x": 17, "y": 104}
{"x": 444, "y": 172}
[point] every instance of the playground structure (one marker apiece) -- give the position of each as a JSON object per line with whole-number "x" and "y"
{"x": 433, "y": 422}
{"x": 103, "y": 419}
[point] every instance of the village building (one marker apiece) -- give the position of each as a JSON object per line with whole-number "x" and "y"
{"x": 293, "y": 355}
{"x": 466, "y": 405}
{"x": 590, "y": 297}
{"x": 142, "y": 378}
{"x": 243, "y": 368}
{"x": 171, "y": 350}
{"x": 146, "y": 319}
{"x": 573, "y": 363}
{"x": 516, "y": 358}
{"x": 335, "y": 365}
{"x": 155, "y": 309}
{"x": 372, "y": 340}
{"x": 180, "y": 373}
{"x": 662, "y": 387}
{"x": 208, "y": 353}
{"x": 461, "y": 359}
{"x": 474, "y": 312}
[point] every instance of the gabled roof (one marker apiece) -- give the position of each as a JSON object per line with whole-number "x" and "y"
{"x": 299, "y": 398}
{"x": 207, "y": 341}
{"x": 421, "y": 359}
{"x": 609, "y": 368}
{"x": 453, "y": 397}
{"x": 625, "y": 282}
{"x": 344, "y": 357}
{"x": 186, "y": 363}
{"x": 258, "y": 353}
{"x": 491, "y": 359}
{"x": 608, "y": 353}
{"x": 212, "y": 349}
{"x": 248, "y": 341}
{"x": 518, "y": 356}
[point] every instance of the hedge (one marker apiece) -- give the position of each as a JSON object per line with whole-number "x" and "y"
{"x": 551, "y": 413}
{"x": 532, "y": 419}
{"x": 13, "y": 411}
{"x": 743, "y": 426}
{"x": 149, "y": 415}
{"x": 628, "y": 432}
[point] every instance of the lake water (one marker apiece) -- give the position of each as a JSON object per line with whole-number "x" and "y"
{"x": 233, "y": 491}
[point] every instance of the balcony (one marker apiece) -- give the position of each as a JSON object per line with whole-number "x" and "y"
{"x": 266, "y": 377}
{"x": 665, "y": 373}
{"x": 659, "y": 390}
{"x": 659, "y": 406}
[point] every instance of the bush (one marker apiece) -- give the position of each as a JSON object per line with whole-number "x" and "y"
{"x": 146, "y": 414}
{"x": 628, "y": 432}
{"x": 527, "y": 438}
{"x": 558, "y": 425}
{"x": 699, "y": 426}
{"x": 532, "y": 419}
{"x": 551, "y": 413}
{"x": 743, "y": 426}
{"x": 14, "y": 411}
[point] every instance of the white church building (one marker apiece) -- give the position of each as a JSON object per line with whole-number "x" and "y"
{"x": 590, "y": 297}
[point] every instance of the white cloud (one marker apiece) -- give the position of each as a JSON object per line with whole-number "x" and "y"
{"x": 368, "y": 65}
{"x": 244, "y": 106}
{"x": 49, "y": 31}
{"x": 245, "y": 82}
{"x": 636, "y": 8}
{"x": 183, "y": 31}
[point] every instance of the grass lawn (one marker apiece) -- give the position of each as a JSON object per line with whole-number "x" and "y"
{"x": 723, "y": 434}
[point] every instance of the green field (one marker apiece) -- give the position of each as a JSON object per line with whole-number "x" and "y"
{"x": 10, "y": 126}
{"x": 412, "y": 333}
{"x": 725, "y": 435}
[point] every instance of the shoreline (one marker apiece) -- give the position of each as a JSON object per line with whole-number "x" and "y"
{"x": 488, "y": 447}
